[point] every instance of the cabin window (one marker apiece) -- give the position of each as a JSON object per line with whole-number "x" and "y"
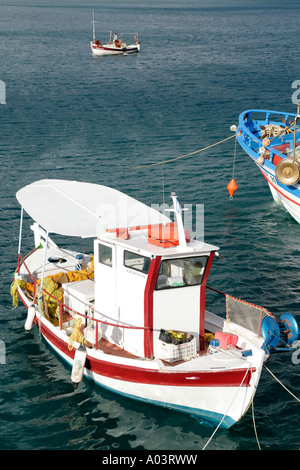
{"x": 105, "y": 255}
{"x": 181, "y": 272}
{"x": 137, "y": 262}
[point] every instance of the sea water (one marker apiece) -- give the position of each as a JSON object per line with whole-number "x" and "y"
{"x": 66, "y": 114}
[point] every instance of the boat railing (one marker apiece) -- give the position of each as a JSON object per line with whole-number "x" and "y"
{"x": 244, "y": 314}
{"x": 65, "y": 308}
{"x": 246, "y": 115}
{"x": 253, "y": 142}
{"x": 21, "y": 261}
{"x": 238, "y": 311}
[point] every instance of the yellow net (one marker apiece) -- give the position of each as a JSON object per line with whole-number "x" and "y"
{"x": 76, "y": 335}
{"x": 14, "y": 290}
{"x": 53, "y": 287}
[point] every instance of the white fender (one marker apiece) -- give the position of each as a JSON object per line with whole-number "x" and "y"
{"x": 78, "y": 365}
{"x": 31, "y": 312}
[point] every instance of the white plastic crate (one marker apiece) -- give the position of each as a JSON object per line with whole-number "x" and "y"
{"x": 177, "y": 352}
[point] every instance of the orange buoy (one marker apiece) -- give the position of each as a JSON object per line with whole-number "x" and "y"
{"x": 232, "y": 187}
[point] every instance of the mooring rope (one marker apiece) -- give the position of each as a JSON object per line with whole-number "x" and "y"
{"x": 183, "y": 156}
{"x": 254, "y": 425}
{"x": 282, "y": 384}
{"x": 296, "y": 398}
{"x": 227, "y": 409}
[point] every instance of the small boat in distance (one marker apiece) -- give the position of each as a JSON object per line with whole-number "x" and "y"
{"x": 272, "y": 140}
{"x": 132, "y": 316}
{"x": 114, "y": 46}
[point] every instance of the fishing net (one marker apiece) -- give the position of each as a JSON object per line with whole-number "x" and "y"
{"x": 76, "y": 335}
{"x": 53, "y": 287}
{"x": 14, "y": 290}
{"x": 245, "y": 314}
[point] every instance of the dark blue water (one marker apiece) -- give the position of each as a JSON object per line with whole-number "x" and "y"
{"x": 72, "y": 116}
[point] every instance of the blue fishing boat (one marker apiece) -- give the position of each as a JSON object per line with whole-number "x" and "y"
{"x": 272, "y": 140}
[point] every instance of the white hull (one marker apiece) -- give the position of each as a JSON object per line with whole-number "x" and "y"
{"x": 110, "y": 49}
{"x": 107, "y": 49}
{"x": 284, "y": 199}
{"x": 209, "y": 404}
{"x": 132, "y": 49}
{"x": 281, "y": 196}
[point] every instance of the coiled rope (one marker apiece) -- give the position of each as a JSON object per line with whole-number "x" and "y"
{"x": 183, "y": 156}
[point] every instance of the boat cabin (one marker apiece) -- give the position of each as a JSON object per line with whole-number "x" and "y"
{"x": 151, "y": 287}
{"x": 148, "y": 274}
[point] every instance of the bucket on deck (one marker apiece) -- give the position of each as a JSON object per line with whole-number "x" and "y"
{"x": 79, "y": 259}
{"x": 226, "y": 339}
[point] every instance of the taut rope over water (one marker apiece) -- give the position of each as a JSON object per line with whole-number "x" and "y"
{"x": 294, "y": 396}
{"x": 227, "y": 408}
{"x": 182, "y": 156}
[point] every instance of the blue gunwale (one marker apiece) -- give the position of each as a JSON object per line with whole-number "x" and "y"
{"x": 249, "y": 138}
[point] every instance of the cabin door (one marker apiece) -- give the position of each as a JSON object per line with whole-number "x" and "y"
{"x": 132, "y": 277}
{"x": 105, "y": 282}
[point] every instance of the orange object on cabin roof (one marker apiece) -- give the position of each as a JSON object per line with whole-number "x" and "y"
{"x": 165, "y": 235}
{"x": 161, "y": 235}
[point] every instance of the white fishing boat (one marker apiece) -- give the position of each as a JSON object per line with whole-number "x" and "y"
{"x": 132, "y": 315}
{"x": 114, "y": 46}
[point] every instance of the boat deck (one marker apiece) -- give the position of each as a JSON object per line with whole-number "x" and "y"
{"x": 63, "y": 262}
{"x": 58, "y": 261}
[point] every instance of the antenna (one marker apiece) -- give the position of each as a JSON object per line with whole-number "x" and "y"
{"x": 163, "y": 189}
{"x": 295, "y": 126}
{"x": 93, "y": 26}
{"x": 178, "y": 210}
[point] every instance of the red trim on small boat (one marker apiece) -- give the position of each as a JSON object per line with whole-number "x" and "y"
{"x": 278, "y": 190}
{"x": 148, "y": 306}
{"x": 202, "y": 301}
{"x": 126, "y": 373}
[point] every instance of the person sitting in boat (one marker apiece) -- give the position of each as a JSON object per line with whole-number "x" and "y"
{"x": 116, "y": 41}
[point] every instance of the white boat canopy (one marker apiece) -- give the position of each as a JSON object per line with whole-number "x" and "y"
{"x": 84, "y": 210}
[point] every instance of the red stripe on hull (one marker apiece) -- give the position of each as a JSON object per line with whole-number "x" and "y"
{"x": 226, "y": 378}
{"x": 278, "y": 190}
{"x": 110, "y": 49}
